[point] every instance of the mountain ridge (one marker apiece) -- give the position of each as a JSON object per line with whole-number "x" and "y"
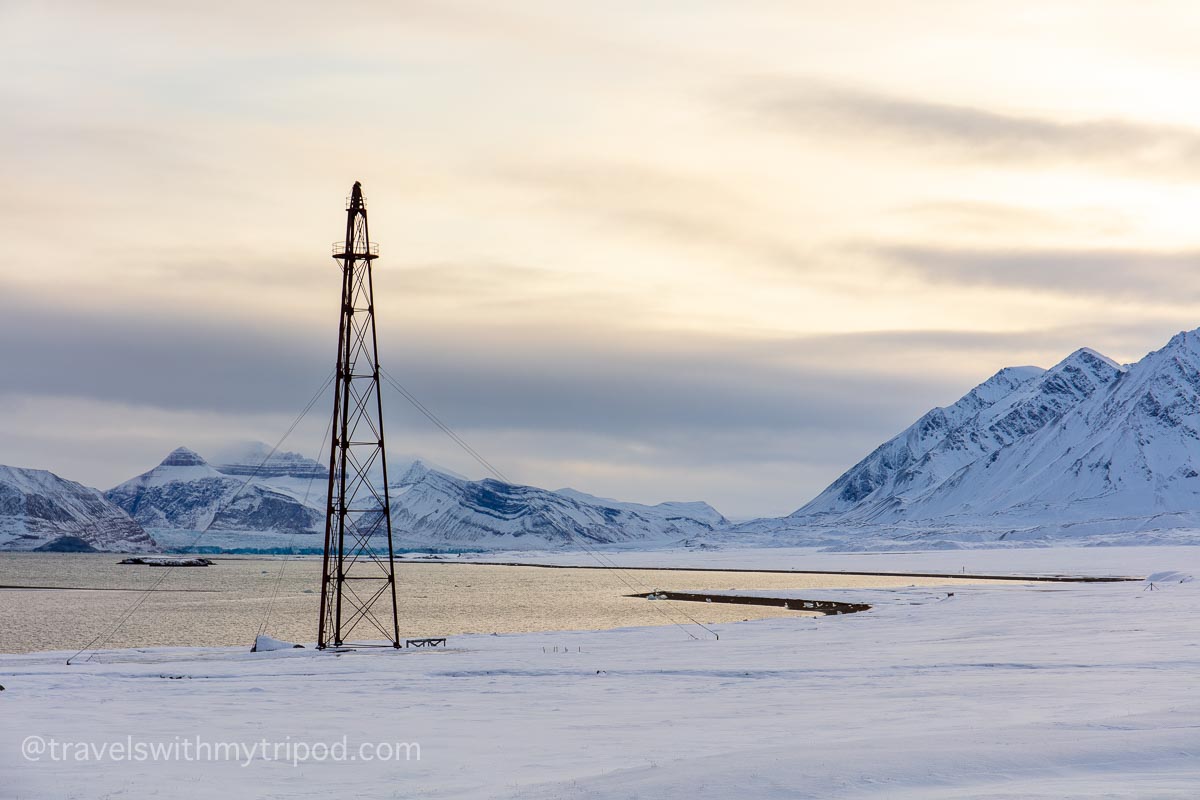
{"x": 429, "y": 506}
{"x": 38, "y": 508}
{"x": 1087, "y": 446}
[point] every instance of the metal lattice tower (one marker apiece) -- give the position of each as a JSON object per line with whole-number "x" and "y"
{"x": 359, "y": 575}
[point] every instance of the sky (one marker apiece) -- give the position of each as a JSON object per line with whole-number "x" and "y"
{"x": 681, "y": 250}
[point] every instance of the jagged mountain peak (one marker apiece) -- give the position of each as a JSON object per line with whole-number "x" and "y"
{"x": 181, "y": 464}
{"x": 1184, "y": 340}
{"x": 1013, "y": 404}
{"x": 928, "y": 450}
{"x": 26, "y": 476}
{"x": 1086, "y": 355}
{"x": 258, "y": 459}
{"x": 183, "y": 457}
{"x": 1077, "y": 376}
{"x": 1179, "y": 357}
{"x": 1088, "y": 439}
{"x": 999, "y": 386}
{"x": 404, "y": 467}
{"x": 414, "y": 472}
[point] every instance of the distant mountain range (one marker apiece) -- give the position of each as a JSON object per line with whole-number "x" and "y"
{"x": 1088, "y": 450}
{"x": 439, "y": 507}
{"x": 277, "y": 503}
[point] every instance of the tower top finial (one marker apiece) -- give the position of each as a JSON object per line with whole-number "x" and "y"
{"x": 357, "y": 245}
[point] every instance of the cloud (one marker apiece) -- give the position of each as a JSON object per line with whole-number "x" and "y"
{"x": 1158, "y": 277}
{"x": 505, "y": 377}
{"x": 990, "y": 219}
{"x": 819, "y": 109}
{"x": 536, "y": 398}
{"x": 683, "y": 209}
{"x": 754, "y": 426}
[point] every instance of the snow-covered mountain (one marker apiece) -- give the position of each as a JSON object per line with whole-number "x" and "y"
{"x": 185, "y": 492}
{"x": 429, "y": 506}
{"x": 433, "y": 506}
{"x": 1086, "y": 448}
{"x": 38, "y": 508}
{"x": 253, "y": 459}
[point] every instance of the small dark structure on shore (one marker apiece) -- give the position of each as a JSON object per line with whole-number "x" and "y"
{"x": 792, "y": 604}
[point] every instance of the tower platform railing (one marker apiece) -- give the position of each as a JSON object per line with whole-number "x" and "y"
{"x": 339, "y": 251}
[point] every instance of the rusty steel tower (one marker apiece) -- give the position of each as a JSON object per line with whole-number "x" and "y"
{"x": 358, "y": 578}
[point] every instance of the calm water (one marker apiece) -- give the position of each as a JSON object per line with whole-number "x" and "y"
{"x": 225, "y": 604}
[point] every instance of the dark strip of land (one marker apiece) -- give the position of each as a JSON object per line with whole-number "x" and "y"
{"x": 790, "y": 603}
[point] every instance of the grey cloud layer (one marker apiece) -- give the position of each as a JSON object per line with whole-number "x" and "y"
{"x": 1150, "y": 276}
{"x": 776, "y": 419}
{"x": 487, "y": 377}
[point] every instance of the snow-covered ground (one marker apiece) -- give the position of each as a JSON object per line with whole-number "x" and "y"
{"x": 999, "y": 690}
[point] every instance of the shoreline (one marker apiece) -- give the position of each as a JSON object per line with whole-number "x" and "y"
{"x": 966, "y": 576}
